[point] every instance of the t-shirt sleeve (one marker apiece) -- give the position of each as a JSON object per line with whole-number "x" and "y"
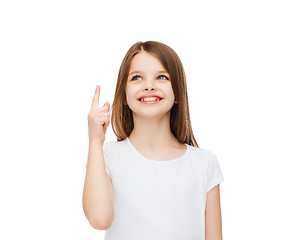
{"x": 214, "y": 174}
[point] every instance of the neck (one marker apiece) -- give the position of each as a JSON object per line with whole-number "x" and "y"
{"x": 152, "y": 133}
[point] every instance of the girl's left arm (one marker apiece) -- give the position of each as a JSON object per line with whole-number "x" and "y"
{"x": 213, "y": 225}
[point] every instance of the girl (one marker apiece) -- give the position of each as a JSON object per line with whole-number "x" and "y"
{"x": 154, "y": 182}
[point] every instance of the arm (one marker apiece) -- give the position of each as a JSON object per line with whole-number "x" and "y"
{"x": 98, "y": 191}
{"x": 213, "y": 227}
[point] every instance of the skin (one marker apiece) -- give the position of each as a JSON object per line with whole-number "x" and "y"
{"x": 151, "y": 135}
{"x": 213, "y": 226}
{"x": 157, "y": 116}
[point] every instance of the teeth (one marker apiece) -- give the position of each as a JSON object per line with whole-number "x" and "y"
{"x": 149, "y": 99}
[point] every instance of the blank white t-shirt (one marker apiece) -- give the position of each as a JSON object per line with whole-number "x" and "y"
{"x": 159, "y": 200}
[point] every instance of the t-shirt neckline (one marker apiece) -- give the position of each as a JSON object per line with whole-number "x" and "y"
{"x": 158, "y": 161}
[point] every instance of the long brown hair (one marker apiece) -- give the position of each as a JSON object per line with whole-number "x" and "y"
{"x": 121, "y": 115}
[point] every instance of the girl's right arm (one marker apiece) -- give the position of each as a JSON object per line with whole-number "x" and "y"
{"x": 98, "y": 190}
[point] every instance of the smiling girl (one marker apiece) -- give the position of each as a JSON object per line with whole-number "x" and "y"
{"x": 154, "y": 182}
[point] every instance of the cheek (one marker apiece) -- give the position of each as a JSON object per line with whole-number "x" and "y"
{"x": 130, "y": 95}
{"x": 170, "y": 90}
{"x": 171, "y": 94}
{"x": 127, "y": 92}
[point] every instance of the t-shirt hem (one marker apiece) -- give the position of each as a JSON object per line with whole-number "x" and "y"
{"x": 215, "y": 182}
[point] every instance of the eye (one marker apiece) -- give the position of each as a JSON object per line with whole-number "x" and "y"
{"x": 136, "y": 76}
{"x": 163, "y": 77}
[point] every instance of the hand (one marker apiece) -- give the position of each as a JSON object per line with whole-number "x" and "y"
{"x": 98, "y": 118}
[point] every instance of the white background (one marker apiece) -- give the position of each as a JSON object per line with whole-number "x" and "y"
{"x": 244, "y": 62}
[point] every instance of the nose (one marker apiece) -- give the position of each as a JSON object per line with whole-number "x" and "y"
{"x": 149, "y": 84}
{"x": 151, "y": 88}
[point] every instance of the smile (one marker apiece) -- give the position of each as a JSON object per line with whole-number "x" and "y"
{"x": 150, "y": 100}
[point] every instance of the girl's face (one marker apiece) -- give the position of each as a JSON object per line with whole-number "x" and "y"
{"x": 147, "y": 76}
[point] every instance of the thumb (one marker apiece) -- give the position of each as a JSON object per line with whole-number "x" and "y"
{"x": 107, "y": 104}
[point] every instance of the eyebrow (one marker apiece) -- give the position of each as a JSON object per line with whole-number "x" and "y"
{"x": 162, "y": 71}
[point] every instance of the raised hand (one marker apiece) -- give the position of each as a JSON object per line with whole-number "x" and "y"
{"x": 98, "y": 118}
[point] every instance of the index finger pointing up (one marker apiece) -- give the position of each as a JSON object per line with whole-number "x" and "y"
{"x": 96, "y": 98}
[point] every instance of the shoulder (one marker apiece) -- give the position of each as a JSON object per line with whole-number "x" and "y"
{"x": 202, "y": 154}
{"x": 113, "y": 146}
{"x": 206, "y": 158}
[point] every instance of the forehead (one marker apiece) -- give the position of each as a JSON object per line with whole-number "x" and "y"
{"x": 144, "y": 61}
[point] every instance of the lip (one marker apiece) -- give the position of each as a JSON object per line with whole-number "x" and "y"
{"x": 145, "y": 96}
{"x": 150, "y": 102}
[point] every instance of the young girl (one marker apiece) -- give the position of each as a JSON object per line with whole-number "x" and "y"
{"x": 154, "y": 182}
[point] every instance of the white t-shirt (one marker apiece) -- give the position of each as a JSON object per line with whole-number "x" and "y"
{"x": 159, "y": 200}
